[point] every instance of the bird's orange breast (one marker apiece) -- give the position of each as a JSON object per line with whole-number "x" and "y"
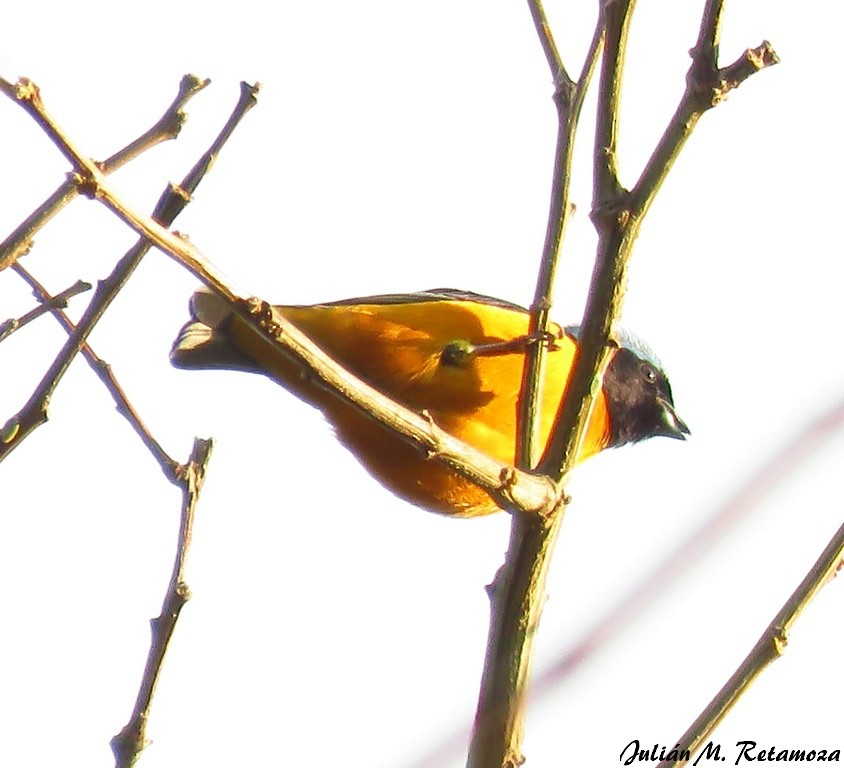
{"x": 397, "y": 347}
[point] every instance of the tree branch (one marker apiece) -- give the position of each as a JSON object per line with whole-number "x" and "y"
{"x": 128, "y": 744}
{"x": 47, "y": 304}
{"x": 168, "y": 127}
{"x": 518, "y": 591}
{"x": 168, "y": 465}
{"x": 770, "y": 646}
{"x": 89, "y": 179}
{"x": 568, "y": 98}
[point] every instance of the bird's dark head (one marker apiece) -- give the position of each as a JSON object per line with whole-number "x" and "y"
{"x": 638, "y": 396}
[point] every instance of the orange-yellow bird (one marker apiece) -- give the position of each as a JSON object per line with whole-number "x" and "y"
{"x": 455, "y": 354}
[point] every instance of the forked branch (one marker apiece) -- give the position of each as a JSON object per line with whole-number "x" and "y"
{"x": 89, "y": 179}
{"x": 519, "y": 588}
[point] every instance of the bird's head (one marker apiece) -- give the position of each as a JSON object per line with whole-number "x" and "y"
{"x": 638, "y": 394}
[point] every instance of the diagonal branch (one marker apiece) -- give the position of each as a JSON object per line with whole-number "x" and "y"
{"x": 167, "y": 127}
{"x": 770, "y": 646}
{"x": 549, "y": 46}
{"x": 171, "y": 203}
{"x": 168, "y": 465}
{"x": 707, "y": 85}
{"x": 48, "y": 304}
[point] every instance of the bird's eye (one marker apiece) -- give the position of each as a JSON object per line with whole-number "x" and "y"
{"x": 648, "y": 373}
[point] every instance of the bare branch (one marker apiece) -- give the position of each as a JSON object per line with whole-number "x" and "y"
{"x": 616, "y": 15}
{"x": 18, "y": 243}
{"x": 89, "y": 179}
{"x": 546, "y": 38}
{"x": 778, "y": 468}
{"x": 770, "y": 646}
{"x": 168, "y": 465}
{"x": 706, "y": 87}
{"x": 48, "y": 303}
{"x": 518, "y": 591}
{"x": 568, "y": 98}
{"x": 709, "y": 36}
{"x": 128, "y": 744}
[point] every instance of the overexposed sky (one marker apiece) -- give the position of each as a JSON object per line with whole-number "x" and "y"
{"x": 399, "y": 147}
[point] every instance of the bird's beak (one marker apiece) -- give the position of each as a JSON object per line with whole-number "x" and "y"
{"x": 670, "y": 424}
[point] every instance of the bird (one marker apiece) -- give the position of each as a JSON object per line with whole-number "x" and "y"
{"x": 455, "y": 355}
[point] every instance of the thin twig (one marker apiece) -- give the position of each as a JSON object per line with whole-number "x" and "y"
{"x": 128, "y": 744}
{"x": 706, "y": 87}
{"x": 172, "y": 201}
{"x": 90, "y": 180}
{"x": 168, "y": 465}
{"x": 568, "y": 97}
{"x": 48, "y": 303}
{"x": 168, "y": 127}
{"x": 770, "y": 646}
{"x": 546, "y": 38}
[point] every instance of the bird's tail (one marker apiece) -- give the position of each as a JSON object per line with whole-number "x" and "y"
{"x": 204, "y": 341}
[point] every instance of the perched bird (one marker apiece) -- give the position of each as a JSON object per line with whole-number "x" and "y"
{"x": 457, "y": 355}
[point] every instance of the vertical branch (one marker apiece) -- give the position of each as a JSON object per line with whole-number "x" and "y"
{"x": 617, "y": 15}
{"x": 709, "y": 37}
{"x": 128, "y": 744}
{"x": 518, "y": 590}
{"x": 617, "y": 230}
{"x": 568, "y": 98}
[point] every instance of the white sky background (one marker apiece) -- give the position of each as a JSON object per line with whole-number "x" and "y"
{"x": 398, "y": 147}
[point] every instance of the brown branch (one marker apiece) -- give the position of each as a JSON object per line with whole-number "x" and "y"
{"x": 48, "y": 303}
{"x": 518, "y": 591}
{"x": 760, "y": 484}
{"x": 128, "y": 744}
{"x": 169, "y": 125}
{"x": 90, "y": 180}
{"x": 171, "y": 203}
{"x": 168, "y": 465}
{"x": 706, "y": 87}
{"x": 549, "y": 46}
{"x": 568, "y": 98}
{"x": 770, "y": 646}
